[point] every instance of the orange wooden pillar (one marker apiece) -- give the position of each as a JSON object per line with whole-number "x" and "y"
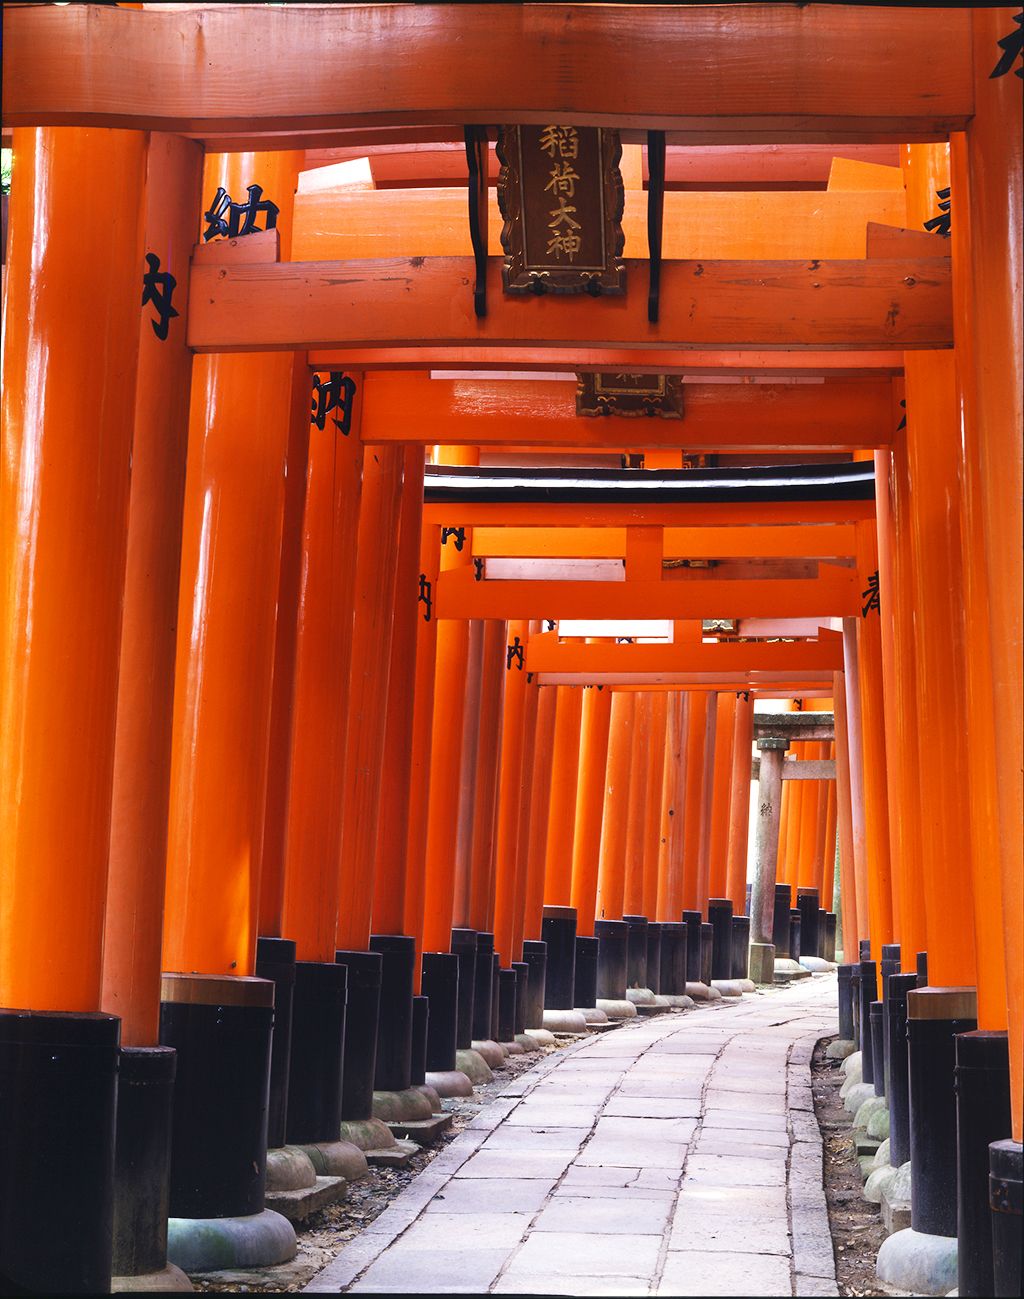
{"x": 494, "y": 672}
{"x": 562, "y": 814}
{"x": 420, "y": 742}
{"x": 390, "y": 873}
{"x": 994, "y": 460}
{"x": 693, "y": 812}
{"x": 825, "y": 882}
{"x": 540, "y": 806}
{"x": 656, "y": 751}
{"x": 718, "y": 846}
{"x": 373, "y": 613}
{"x": 633, "y": 894}
{"x": 739, "y": 804}
{"x": 851, "y": 726}
{"x": 145, "y": 693}
{"x": 230, "y": 562}
{"x": 74, "y": 280}
{"x": 323, "y": 656}
{"x": 848, "y": 921}
{"x": 876, "y": 806}
{"x": 506, "y": 856}
{"x": 611, "y": 878}
{"x": 703, "y": 861}
{"x": 71, "y": 351}
{"x": 469, "y": 749}
{"x": 445, "y": 746}
{"x": 590, "y": 785}
{"x": 275, "y": 816}
{"x": 670, "y": 858}
{"x": 530, "y": 760}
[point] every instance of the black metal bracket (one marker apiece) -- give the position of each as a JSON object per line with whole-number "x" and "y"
{"x": 476, "y": 158}
{"x": 655, "y": 217}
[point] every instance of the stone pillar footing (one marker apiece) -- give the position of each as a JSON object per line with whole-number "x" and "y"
{"x": 918, "y": 1263}
{"x": 169, "y": 1280}
{"x": 215, "y": 1244}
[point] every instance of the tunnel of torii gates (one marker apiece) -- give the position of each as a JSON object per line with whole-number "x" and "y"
{"x": 351, "y": 678}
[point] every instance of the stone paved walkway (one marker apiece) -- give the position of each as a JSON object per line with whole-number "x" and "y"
{"x": 677, "y": 1155}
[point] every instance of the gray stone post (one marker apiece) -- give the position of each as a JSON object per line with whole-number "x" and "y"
{"x": 762, "y": 898}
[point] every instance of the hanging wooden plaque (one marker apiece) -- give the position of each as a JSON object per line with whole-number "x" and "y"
{"x": 630, "y": 394}
{"x": 561, "y": 196}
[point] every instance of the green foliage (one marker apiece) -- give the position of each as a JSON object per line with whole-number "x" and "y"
{"x": 5, "y": 170}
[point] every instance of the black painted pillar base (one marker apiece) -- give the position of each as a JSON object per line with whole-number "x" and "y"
{"x": 585, "y": 973}
{"x": 843, "y": 973}
{"x": 441, "y": 986}
{"x": 878, "y": 1046}
{"x": 692, "y": 921}
{"x": 275, "y": 960}
{"x": 796, "y": 941}
{"x": 673, "y": 958}
{"x": 1006, "y": 1164}
{"x": 394, "y": 1031}
{"x": 558, "y": 930}
{"x": 613, "y": 936}
{"x": 636, "y": 951}
{"x": 780, "y": 919}
{"x": 822, "y": 933}
{"x": 855, "y": 1000}
{"x": 868, "y": 994}
{"x": 361, "y": 1020}
{"x": 464, "y": 947}
{"x": 483, "y": 987}
{"x": 522, "y": 970}
{"x": 888, "y": 966}
{"x": 830, "y": 935}
{"x": 899, "y": 1085}
{"x": 418, "y": 1054}
{"x": 982, "y": 1117}
{"x": 934, "y": 1017}
{"x": 740, "y": 946}
{"x": 720, "y": 919}
{"x": 922, "y": 969}
{"x": 495, "y": 975}
{"x": 507, "y": 988}
{"x": 58, "y": 1093}
{"x": 707, "y": 947}
{"x": 535, "y": 955}
{"x": 654, "y": 936}
{"x": 807, "y": 905}
{"x": 319, "y": 1002}
{"x": 221, "y": 1029}
{"x": 142, "y": 1159}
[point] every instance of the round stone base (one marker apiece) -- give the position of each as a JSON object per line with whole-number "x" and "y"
{"x": 513, "y": 1048}
{"x": 171, "y": 1280}
{"x": 528, "y": 1042}
{"x": 728, "y": 987}
{"x": 616, "y": 1009}
{"x": 367, "y": 1134}
{"x": 787, "y": 969}
{"x": 679, "y": 1003}
{"x": 853, "y": 1064}
{"x": 748, "y": 985}
{"x": 921, "y": 1264}
{"x": 867, "y": 1109}
{"x": 701, "y": 992}
{"x": 213, "y": 1244}
{"x": 406, "y": 1106}
{"x": 640, "y": 996}
{"x": 337, "y": 1159}
{"x": 593, "y": 1014}
{"x": 878, "y": 1181}
{"x": 542, "y": 1035}
{"x": 841, "y": 1049}
{"x": 474, "y": 1066}
{"x": 857, "y": 1095}
{"x": 432, "y": 1097}
{"x": 289, "y": 1168}
{"x": 564, "y": 1021}
{"x": 878, "y": 1123}
{"x": 816, "y": 965}
{"x": 490, "y": 1052}
{"x": 450, "y": 1082}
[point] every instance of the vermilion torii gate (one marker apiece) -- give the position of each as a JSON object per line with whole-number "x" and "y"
{"x": 259, "y": 725}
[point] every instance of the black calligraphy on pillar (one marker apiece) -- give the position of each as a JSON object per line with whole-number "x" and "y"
{"x": 514, "y": 654}
{"x": 478, "y": 570}
{"x": 871, "y": 597}
{"x": 1013, "y": 49}
{"x": 458, "y": 536}
{"x": 903, "y": 422}
{"x": 425, "y": 597}
{"x": 226, "y": 217}
{"x": 940, "y": 224}
{"x": 158, "y": 288}
{"x": 336, "y": 393}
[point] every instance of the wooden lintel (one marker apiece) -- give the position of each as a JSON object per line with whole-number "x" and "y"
{"x": 821, "y": 71}
{"x": 674, "y": 514}
{"x": 836, "y": 415}
{"x": 692, "y": 543}
{"x": 852, "y": 305}
{"x": 809, "y": 769}
{"x": 546, "y": 653}
{"x": 263, "y": 246}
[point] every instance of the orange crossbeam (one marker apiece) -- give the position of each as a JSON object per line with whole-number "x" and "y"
{"x": 606, "y": 515}
{"x": 547, "y": 654}
{"x": 833, "y": 416}
{"x": 769, "y": 542}
{"x": 403, "y": 302}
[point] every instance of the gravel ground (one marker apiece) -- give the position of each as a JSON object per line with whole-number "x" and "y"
{"x": 322, "y": 1236}
{"x": 857, "y": 1231}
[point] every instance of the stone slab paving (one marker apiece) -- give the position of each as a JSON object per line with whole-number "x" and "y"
{"x": 678, "y": 1155}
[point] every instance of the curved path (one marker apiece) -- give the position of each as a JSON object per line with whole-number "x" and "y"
{"x": 678, "y": 1155}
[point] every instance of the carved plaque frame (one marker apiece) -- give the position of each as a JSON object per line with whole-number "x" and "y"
{"x": 630, "y": 395}
{"x": 523, "y": 273}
